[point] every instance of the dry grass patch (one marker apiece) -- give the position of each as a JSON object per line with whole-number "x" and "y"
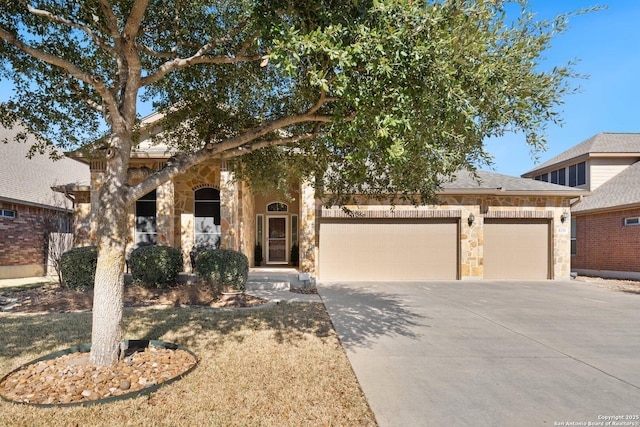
{"x": 281, "y": 366}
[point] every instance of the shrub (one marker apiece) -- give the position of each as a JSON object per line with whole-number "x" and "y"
{"x": 223, "y": 267}
{"x": 155, "y": 266}
{"x": 78, "y": 267}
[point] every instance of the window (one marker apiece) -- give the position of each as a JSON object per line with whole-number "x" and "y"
{"x": 632, "y": 221}
{"x": 277, "y": 207}
{"x": 578, "y": 174}
{"x": 7, "y": 213}
{"x": 558, "y": 176}
{"x": 146, "y": 227}
{"x": 207, "y": 218}
{"x": 259, "y": 228}
{"x": 64, "y": 223}
{"x": 574, "y": 246}
{"x": 294, "y": 230}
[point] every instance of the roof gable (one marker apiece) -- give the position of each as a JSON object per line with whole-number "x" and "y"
{"x": 601, "y": 143}
{"x": 491, "y": 182}
{"x": 620, "y": 191}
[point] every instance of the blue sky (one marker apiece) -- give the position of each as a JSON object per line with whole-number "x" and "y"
{"x": 607, "y": 45}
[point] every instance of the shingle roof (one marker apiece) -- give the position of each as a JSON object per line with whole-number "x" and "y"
{"x": 29, "y": 181}
{"x": 620, "y": 191}
{"x": 488, "y": 181}
{"x": 604, "y": 142}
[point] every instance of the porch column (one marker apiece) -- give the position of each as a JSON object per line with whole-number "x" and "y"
{"x": 165, "y": 215}
{"x": 228, "y": 210}
{"x": 97, "y": 177}
{"x": 307, "y": 237}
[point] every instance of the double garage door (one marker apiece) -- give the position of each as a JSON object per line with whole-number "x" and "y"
{"x": 388, "y": 250}
{"x": 374, "y": 250}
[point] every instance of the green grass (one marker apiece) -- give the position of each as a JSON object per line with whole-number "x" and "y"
{"x": 281, "y": 366}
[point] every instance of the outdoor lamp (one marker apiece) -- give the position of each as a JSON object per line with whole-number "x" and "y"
{"x": 471, "y": 218}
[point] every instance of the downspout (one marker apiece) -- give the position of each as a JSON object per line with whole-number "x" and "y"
{"x": 575, "y": 202}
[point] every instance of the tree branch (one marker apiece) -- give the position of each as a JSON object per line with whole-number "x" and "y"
{"x": 201, "y": 57}
{"x": 185, "y": 161}
{"x": 241, "y": 151}
{"x": 69, "y": 67}
{"x": 64, "y": 21}
{"x": 135, "y": 18}
{"x": 151, "y": 52}
{"x": 180, "y": 63}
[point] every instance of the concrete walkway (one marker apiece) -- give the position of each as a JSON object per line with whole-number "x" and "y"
{"x": 24, "y": 281}
{"x": 491, "y": 353}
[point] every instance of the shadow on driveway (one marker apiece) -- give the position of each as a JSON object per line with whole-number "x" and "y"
{"x": 360, "y": 315}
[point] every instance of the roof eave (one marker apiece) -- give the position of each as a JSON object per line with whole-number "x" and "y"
{"x": 503, "y": 192}
{"x": 573, "y": 160}
{"x": 607, "y": 209}
{"x": 35, "y": 204}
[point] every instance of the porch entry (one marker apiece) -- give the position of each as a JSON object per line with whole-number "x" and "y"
{"x": 277, "y": 238}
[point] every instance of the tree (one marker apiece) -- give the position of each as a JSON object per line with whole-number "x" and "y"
{"x": 378, "y": 97}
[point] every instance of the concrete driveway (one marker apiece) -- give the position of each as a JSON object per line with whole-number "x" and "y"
{"x": 491, "y": 353}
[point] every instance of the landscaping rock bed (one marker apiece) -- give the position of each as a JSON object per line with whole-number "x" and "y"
{"x": 72, "y": 379}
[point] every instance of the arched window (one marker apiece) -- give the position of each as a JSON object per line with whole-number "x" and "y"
{"x": 277, "y": 207}
{"x": 207, "y": 218}
{"x": 146, "y": 227}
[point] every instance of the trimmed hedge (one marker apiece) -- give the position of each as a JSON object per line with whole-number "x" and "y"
{"x": 223, "y": 267}
{"x": 155, "y": 266}
{"x": 78, "y": 267}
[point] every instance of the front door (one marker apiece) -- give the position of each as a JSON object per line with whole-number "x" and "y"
{"x": 277, "y": 240}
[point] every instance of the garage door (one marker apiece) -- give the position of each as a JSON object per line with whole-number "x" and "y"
{"x": 516, "y": 249}
{"x": 394, "y": 250}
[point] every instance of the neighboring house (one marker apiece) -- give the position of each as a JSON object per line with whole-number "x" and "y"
{"x": 606, "y": 225}
{"x": 29, "y": 209}
{"x": 501, "y": 228}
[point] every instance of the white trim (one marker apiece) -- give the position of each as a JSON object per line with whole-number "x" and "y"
{"x": 632, "y": 221}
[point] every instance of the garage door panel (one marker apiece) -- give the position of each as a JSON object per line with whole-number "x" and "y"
{"x": 361, "y": 250}
{"x": 516, "y": 249}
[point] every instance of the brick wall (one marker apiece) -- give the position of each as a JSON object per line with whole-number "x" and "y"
{"x": 603, "y": 242}
{"x": 21, "y": 238}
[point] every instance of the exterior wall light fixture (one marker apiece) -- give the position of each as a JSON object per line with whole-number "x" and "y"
{"x": 564, "y": 217}
{"x": 471, "y": 218}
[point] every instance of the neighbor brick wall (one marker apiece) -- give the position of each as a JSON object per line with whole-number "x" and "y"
{"x": 603, "y": 242}
{"x": 21, "y": 238}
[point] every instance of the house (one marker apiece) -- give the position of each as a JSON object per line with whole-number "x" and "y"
{"x": 29, "y": 210}
{"x": 605, "y": 229}
{"x": 497, "y": 227}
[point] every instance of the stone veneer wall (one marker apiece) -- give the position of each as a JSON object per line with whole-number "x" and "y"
{"x": 229, "y": 206}
{"x": 247, "y": 222}
{"x": 472, "y": 237}
{"x": 206, "y": 175}
{"x": 308, "y": 242}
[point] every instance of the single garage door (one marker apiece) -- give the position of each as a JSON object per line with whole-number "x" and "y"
{"x": 516, "y": 249}
{"x": 388, "y": 250}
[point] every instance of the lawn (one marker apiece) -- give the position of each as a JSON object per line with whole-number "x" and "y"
{"x": 279, "y": 366}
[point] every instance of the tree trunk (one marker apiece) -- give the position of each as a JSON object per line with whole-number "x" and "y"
{"x": 112, "y": 235}
{"x": 106, "y": 333}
